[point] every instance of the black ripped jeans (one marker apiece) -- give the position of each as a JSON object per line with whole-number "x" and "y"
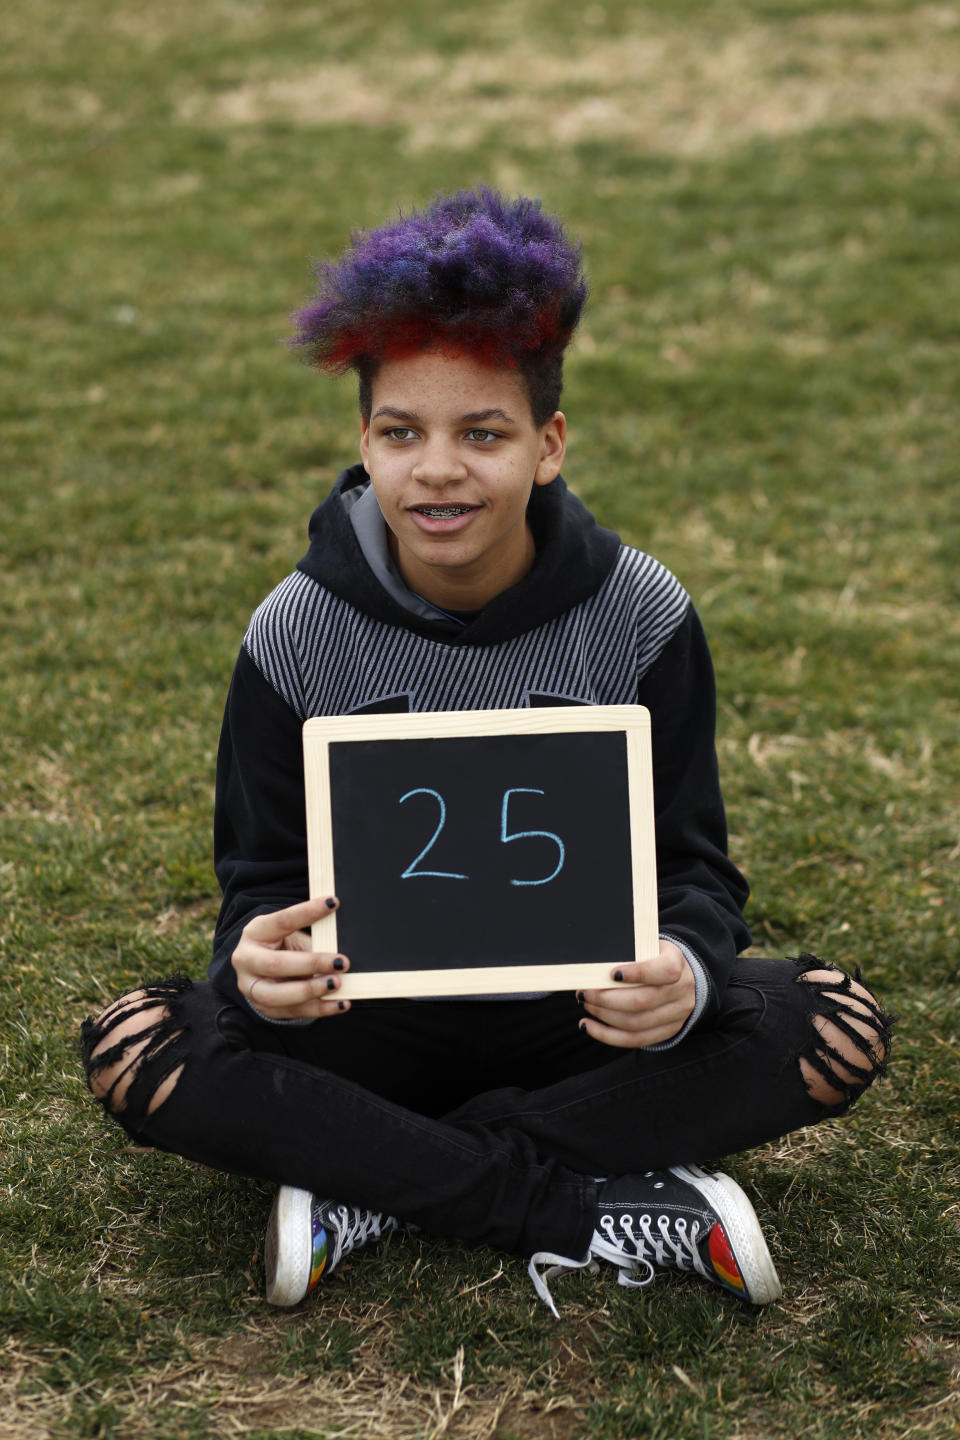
{"x": 482, "y": 1120}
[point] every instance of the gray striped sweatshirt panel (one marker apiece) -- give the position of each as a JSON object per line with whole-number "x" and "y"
{"x": 323, "y": 656}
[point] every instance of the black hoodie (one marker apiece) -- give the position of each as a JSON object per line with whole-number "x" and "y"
{"x": 592, "y": 622}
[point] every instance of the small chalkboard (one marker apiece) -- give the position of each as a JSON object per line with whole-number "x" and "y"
{"x": 483, "y": 852}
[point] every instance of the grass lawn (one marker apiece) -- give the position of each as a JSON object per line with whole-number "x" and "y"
{"x": 764, "y": 394}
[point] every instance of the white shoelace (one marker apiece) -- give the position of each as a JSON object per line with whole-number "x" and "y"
{"x": 355, "y": 1227}
{"x": 651, "y": 1248}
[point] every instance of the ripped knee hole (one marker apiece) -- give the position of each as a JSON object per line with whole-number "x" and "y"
{"x": 135, "y": 1052}
{"x": 850, "y": 1034}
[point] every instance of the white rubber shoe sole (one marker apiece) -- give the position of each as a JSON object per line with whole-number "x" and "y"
{"x": 288, "y": 1250}
{"x": 739, "y": 1220}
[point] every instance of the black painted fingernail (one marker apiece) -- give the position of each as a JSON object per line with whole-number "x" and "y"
{"x": 582, "y": 1027}
{"x": 330, "y": 903}
{"x": 618, "y": 974}
{"x": 341, "y": 1004}
{"x": 331, "y": 983}
{"x": 338, "y": 962}
{"x": 579, "y": 997}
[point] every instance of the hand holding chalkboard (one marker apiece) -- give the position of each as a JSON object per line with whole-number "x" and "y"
{"x": 484, "y": 851}
{"x": 275, "y": 969}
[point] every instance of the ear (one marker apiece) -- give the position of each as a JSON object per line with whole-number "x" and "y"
{"x": 365, "y": 443}
{"x": 553, "y": 448}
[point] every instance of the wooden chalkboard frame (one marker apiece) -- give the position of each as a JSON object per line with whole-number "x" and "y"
{"x": 632, "y": 720}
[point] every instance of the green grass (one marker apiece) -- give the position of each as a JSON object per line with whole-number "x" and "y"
{"x": 764, "y": 395}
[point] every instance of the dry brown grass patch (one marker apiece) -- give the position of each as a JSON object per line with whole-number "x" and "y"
{"x": 233, "y": 1382}
{"x": 662, "y": 87}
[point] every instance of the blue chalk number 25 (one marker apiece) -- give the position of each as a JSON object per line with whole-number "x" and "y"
{"x": 412, "y": 872}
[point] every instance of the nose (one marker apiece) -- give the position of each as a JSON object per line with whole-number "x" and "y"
{"x": 439, "y": 463}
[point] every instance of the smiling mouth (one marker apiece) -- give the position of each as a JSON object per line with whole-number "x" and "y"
{"x": 443, "y": 512}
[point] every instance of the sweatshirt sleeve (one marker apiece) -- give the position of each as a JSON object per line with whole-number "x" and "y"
{"x": 260, "y": 831}
{"x": 701, "y": 893}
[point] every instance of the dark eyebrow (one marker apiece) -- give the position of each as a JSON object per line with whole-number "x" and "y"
{"x": 476, "y": 417}
{"x": 395, "y": 413}
{"x": 473, "y": 417}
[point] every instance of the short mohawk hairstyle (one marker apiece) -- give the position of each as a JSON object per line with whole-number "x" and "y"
{"x": 474, "y": 272}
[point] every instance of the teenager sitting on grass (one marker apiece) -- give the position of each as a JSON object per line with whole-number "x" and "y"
{"x": 452, "y": 569}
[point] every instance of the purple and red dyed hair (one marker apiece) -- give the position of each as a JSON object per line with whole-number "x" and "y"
{"x": 474, "y": 273}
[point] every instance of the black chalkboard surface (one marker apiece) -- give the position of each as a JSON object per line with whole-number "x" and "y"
{"x": 479, "y": 852}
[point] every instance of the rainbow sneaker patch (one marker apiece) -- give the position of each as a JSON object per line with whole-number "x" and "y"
{"x": 722, "y": 1259}
{"x": 319, "y": 1263}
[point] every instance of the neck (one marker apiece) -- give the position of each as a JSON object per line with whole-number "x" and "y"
{"x": 462, "y": 588}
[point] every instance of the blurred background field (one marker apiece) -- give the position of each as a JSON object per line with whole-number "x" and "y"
{"x": 764, "y": 394}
